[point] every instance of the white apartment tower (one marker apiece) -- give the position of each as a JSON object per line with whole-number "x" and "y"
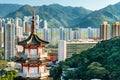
{"x": 9, "y": 41}
{"x": 61, "y": 50}
{"x": 37, "y": 21}
{"x": 18, "y": 27}
{"x": 25, "y": 24}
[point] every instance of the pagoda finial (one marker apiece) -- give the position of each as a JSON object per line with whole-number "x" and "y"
{"x": 33, "y": 26}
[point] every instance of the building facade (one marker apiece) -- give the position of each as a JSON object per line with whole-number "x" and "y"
{"x": 1, "y": 36}
{"x": 9, "y": 39}
{"x": 105, "y": 31}
{"x": 116, "y": 29}
{"x": 67, "y": 48}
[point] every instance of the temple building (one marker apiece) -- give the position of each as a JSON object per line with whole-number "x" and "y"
{"x": 32, "y": 59}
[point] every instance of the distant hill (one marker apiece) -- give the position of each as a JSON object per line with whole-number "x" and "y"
{"x": 110, "y": 13}
{"x": 8, "y": 8}
{"x": 55, "y": 14}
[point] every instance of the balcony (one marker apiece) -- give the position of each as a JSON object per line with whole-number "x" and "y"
{"x": 31, "y": 56}
{"x": 25, "y": 56}
{"x": 33, "y": 75}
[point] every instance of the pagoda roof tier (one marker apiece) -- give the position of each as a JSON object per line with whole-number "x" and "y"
{"x": 33, "y": 39}
{"x": 30, "y": 61}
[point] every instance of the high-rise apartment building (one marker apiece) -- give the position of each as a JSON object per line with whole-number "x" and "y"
{"x": 55, "y": 35}
{"x": 1, "y": 36}
{"x": 61, "y": 33}
{"x": 37, "y": 21}
{"x": 0, "y": 23}
{"x": 18, "y": 27}
{"x": 116, "y": 29}
{"x": 105, "y": 31}
{"x": 26, "y": 24}
{"x": 68, "y": 34}
{"x": 43, "y": 24}
{"x": 88, "y": 33}
{"x": 9, "y": 41}
{"x": 61, "y": 50}
{"x": 18, "y": 22}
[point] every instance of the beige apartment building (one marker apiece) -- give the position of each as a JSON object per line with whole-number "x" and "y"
{"x": 104, "y": 31}
{"x": 116, "y": 29}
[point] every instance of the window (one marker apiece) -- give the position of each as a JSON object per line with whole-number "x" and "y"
{"x": 26, "y": 51}
{"x": 33, "y": 70}
{"x": 33, "y": 52}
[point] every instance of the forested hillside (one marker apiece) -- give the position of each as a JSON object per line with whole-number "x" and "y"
{"x": 101, "y": 62}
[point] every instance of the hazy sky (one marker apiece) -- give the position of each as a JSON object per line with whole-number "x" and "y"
{"x": 89, "y": 4}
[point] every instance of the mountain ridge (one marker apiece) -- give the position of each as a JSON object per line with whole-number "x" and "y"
{"x": 67, "y": 16}
{"x": 55, "y": 14}
{"x": 111, "y": 13}
{"x": 8, "y": 8}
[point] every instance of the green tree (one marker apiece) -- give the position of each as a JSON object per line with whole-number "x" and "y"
{"x": 95, "y": 70}
{"x": 3, "y": 64}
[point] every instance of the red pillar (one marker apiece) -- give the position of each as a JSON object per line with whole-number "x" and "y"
{"x": 28, "y": 69}
{"x": 44, "y": 68}
{"x": 29, "y": 52}
{"x": 38, "y": 68}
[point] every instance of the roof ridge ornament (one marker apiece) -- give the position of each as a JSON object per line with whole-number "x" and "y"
{"x": 33, "y": 26}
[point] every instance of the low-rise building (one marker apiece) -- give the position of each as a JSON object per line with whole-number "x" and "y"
{"x": 67, "y": 49}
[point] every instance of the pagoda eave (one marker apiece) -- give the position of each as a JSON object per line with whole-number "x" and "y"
{"x": 28, "y": 45}
{"x": 31, "y": 64}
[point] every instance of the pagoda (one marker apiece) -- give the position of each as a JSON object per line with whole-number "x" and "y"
{"x": 31, "y": 60}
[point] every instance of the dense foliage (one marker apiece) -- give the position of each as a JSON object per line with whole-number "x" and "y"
{"x": 102, "y": 61}
{"x": 3, "y": 64}
{"x": 8, "y": 75}
{"x": 1, "y": 53}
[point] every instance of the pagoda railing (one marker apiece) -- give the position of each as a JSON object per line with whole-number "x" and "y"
{"x": 34, "y": 56}
{"x": 33, "y": 75}
{"x": 21, "y": 73}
